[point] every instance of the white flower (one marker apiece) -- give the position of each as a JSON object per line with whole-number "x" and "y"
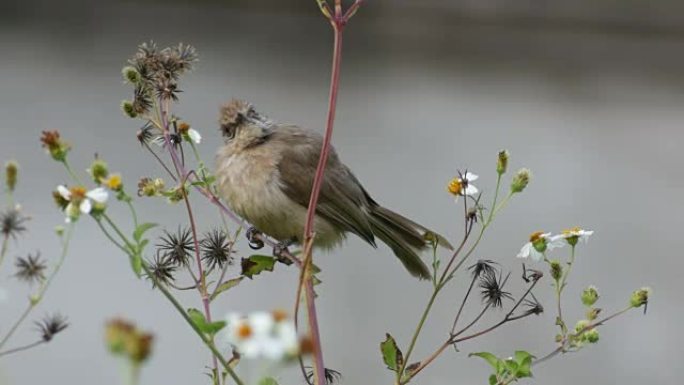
{"x": 573, "y": 235}
{"x": 262, "y": 335}
{"x": 80, "y": 200}
{"x": 539, "y": 243}
{"x": 194, "y": 135}
{"x": 463, "y": 185}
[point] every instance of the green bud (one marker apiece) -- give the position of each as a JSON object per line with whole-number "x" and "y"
{"x": 640, "y": 297}
{"x": 131, "y": 75}
{"x": 589, "y": 296}
{"x": 581, "y": 325}
{"x": 591, "y": 336}
{"x": 520, "y": 180}
{"x": 556, "y": 270}
{"x": 593, "y": 313}
{"x": 98, "y": 171}
{"x": 11, "y": 171}
{"x": 34, "y": 299}
{"x": 59, "y": 230}
{"x": 128, "y": 109}
{"x": 502, "y": 162}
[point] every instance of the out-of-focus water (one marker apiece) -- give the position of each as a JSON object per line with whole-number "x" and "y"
{"x": 596, "y": 116}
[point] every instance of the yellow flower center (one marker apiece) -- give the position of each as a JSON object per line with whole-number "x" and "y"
{"x": 279, "y": 315}
{"x": 573, "y": 231}
{"x": 113, "y": 182}
{"x": 537, "y": 235}
{"x": 244, "y": 331}
{"x": 78, "y": 193}
{"x": 455, "y": 186}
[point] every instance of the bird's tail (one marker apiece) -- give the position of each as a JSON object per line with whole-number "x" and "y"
{"x": 405, "y": 237}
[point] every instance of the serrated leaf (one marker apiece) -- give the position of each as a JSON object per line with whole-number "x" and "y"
{"x": 229, "y": 284}
{"x": 256, "y": 264}
{"x": 493, "y": 360}
{"x": 141, "y": 229}
{"x": 268, "y": 381}
{"x": 391, "y": 354}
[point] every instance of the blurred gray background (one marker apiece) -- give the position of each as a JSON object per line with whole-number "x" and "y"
{"x": 588, "y": 94}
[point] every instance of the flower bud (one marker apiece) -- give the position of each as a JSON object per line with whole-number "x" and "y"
{"x": 131, "y": 75}
{"x": 581, "y": 325}
{"x": 59, "y": 230}
{"x": 520, "y": 180}
{"x": 114, "y": 182}
{"x": 128, "y": 109}
{"x": 591, "y": 336}
{"x": 640, "y": 297}
{"x": 98, "y": 171}
{"x": 11, "y": 171}
{"x": 55, "y": 146}
{"x": 502, "y": 162}
{"x": 556, "y": 270}
{"x": 589, "y": 296}
{"x": 593, "y": 313}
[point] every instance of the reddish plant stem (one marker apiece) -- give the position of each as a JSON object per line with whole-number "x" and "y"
{"x": 180, "y": 170}
{"x": 337, "y": 24}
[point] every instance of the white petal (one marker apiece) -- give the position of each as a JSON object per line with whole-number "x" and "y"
{"x": 470, "y": 190}
{"x": 525, "y": 251}
{"x": 535, "y": 255}
{"x": 64, "y": 192}
{"x": 469, "y": 176}
{"x": 261, "y": 323}
{"x": 86, "y": 206}
{"x": 194, "y": 136}
{"x": 99, "y": 195}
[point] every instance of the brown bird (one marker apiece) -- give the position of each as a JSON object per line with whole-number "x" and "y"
{"x": 265, "y": 173}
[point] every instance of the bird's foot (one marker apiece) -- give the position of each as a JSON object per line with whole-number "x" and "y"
{"x": 254, "y": 238}
{"x": 281, "y": 252}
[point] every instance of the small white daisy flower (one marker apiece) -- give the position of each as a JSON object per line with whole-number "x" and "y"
{"x": 539, "y": 243}
{"x": 194, "y": 135}
{"x": 463, "y": 185}
{"x": 263, "y": 335}
{"x": 80, "y": 200}
{"x": 575, "y": 234}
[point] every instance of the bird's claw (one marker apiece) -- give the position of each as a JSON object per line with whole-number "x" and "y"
{"x": 280, "y": 251}
{"x": 254, "y": 238}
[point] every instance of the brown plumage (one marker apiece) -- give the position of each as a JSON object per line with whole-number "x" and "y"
{"x": 265, "y": 173}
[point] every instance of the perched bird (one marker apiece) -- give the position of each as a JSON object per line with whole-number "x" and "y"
{"x": 265, "y": 173}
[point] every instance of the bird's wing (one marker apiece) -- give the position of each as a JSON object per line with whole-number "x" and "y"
{"x": 342, "y": 200}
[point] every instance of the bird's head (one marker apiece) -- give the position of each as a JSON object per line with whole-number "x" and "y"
{"x": 242, "y": 126}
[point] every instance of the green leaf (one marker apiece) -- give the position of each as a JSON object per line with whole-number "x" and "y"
{"x": 226, "y": 286}
{"x": 256, "y": 264}
{"x": 493, "y": 360}
{"x": 511, "y": 366}
{"x": 391, "y": 354}
{"x": 524, "y": 360}
{"x": 493, "y": 380}
{"x": 268, "y": 381}
{"x": 198, "y": 319}
{"x": 141, "y": 229}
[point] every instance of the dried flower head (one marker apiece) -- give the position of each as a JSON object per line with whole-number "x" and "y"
{"x": 483, "y": 267}
{"x": 146, "y": 133}
{"x": 51, "y": 325}
{"x": 12, "y": 223}
{"x": 124, "y": 338}
{"x": 55, "y": 146}
{"x": 492, "y": 290}
{"x": 232, "y": 115}
{"x": 177, "y": 248}
{"x": 148, "y": 187}
{"x": 216, "y": 249}
{"x": 331, "y": 376}
{"x": 161, "y": 271}
{"x": 30, "y": 269}
{"x": 520, "y": 180}
{"x": 532, "y": 306}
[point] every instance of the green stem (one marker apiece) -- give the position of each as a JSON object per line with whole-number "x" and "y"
{"x": 36, "y": 298}
{"x": 71, "y": 172}
{"x": 416, "y": 333}
{"x": 207, "y": 341}
{"x": 3, "y": 251}
{"x": 22, "y": 348}
{"x": 496, "y": 196}
{"x": 560, "y": 285}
